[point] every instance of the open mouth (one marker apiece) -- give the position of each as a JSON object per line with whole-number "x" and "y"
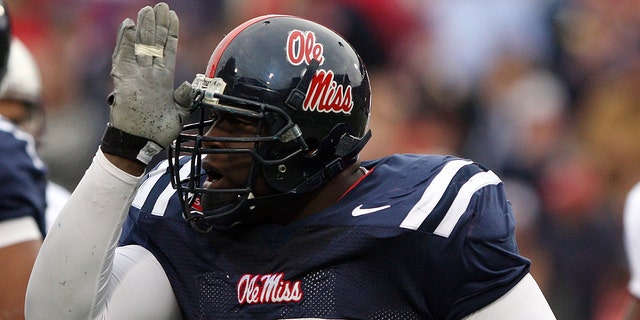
{"x": 213, "y": 178}
{"x": 217, "y": 197}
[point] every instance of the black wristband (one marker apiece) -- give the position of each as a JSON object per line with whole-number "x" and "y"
{"x": 129, "y": 146}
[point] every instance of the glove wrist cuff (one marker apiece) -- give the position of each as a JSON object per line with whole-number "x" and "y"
{"x": 129, "y": 146}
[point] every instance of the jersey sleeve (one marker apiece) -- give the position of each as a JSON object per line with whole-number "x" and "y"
{"x": 23, "y": 176}
{"x": 490, "y": 263}
{"x": 461, "y": 228}
{"x": 469, "y": 242}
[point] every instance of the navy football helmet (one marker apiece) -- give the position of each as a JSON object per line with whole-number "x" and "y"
{"x": 5, "y": 38}
{"x": 309, "y": 92}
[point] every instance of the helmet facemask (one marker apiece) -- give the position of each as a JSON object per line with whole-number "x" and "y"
{"x": 209, "y": 106}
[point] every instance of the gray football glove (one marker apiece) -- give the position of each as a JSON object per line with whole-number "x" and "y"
{"x": 146, "y": 113}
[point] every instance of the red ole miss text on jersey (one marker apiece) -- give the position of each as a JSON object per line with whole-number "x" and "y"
{"x": 324, "y": 93}
{"x": 268, "y": 288}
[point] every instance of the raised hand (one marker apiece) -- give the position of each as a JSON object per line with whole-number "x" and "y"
{"x": 146, "y": 115}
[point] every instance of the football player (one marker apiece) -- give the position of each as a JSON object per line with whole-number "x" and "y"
{"x": 22, "y": 193}
{"x": 22, "y": 104}
{"x": 263, "y": 209}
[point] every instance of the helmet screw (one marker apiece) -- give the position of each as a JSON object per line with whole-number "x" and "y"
{"x": 282, "y": 168}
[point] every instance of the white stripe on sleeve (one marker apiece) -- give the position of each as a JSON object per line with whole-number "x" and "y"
{"x": 147, "y": 185}
{"x": 461, "y": 202}
{"x": 162, "y": 202}
{"x": 432, "y": 195}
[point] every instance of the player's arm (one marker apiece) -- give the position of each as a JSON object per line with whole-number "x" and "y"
{"x": 80, "y": 274}
{"x": 71, "y": 274}
{"x": 20, "y": 240}
{"x": 631, "y": 223}
{"x": 76, "y": 272}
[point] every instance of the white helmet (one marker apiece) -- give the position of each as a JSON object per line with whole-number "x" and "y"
{"x": 22, "y": 81}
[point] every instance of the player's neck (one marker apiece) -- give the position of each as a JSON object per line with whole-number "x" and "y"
{"x": 331, "y": 192}
{"x": 297, "y": 207}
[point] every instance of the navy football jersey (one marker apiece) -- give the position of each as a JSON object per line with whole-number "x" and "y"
{"x": 23, "y": 176}
{"x": 419, "y": 237}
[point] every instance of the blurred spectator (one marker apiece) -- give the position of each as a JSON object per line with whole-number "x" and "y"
{"x": 608, "y": 117}
{"x": 470, "y": 37}
{"x": 520, "y": 112}
{"x": 581, "y": 234}
{"x": 594, "y": 36}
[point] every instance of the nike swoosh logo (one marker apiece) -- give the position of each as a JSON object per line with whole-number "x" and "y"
{"x": 359, "y": 211}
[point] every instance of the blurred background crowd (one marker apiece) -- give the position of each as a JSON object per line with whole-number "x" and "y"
{"x": 546, "y": 93}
